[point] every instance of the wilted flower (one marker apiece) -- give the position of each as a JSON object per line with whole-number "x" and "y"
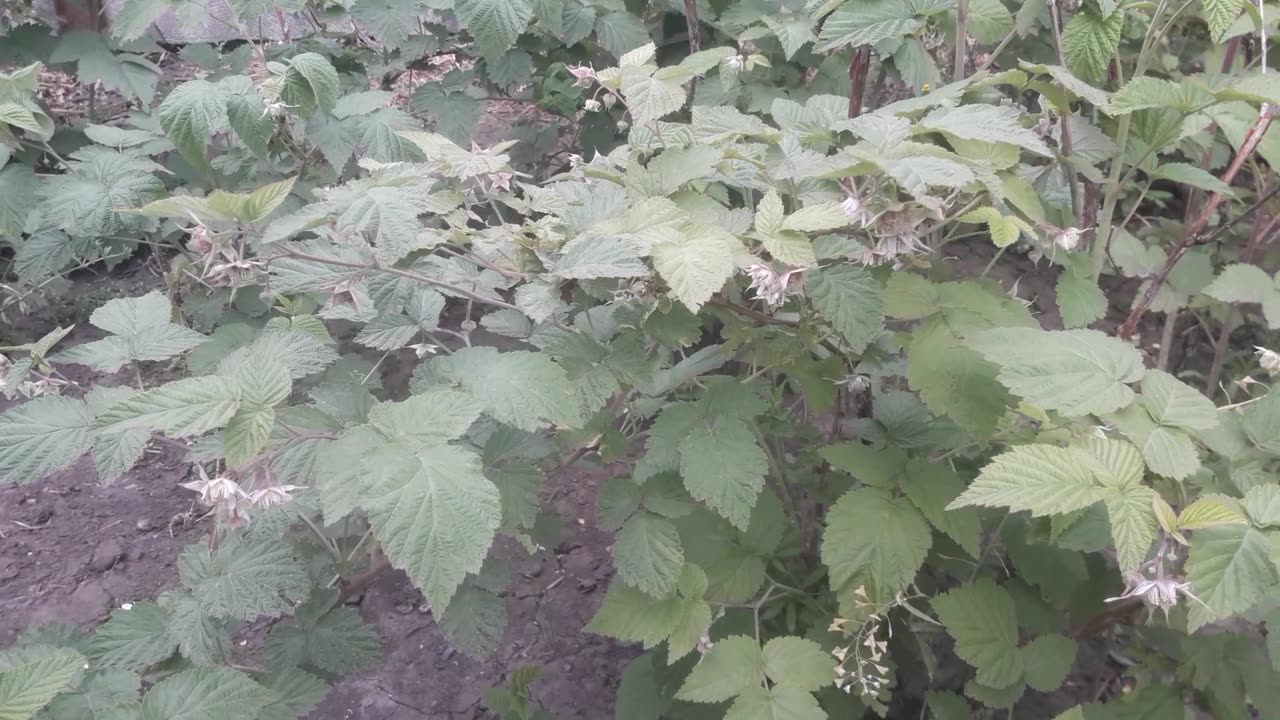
{"x": 584, "y": 74}
{"x": 1269, "y": 360}
{"x": 1158, "y": 592}
{"x": 770, "y": 285}
{"x": 234, "y": 515}
{"x": 200, "y": 239}
{"x": 899, "y": 235}
{"x": 276, "y": 109}
{"x": 1068, "y": 238}
{"x": 270, "y": 496}
{"x": 592, "y": 105}
{"x": 214, "y": 491}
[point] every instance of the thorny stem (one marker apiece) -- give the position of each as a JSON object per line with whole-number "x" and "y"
{"x": 402, "y": 273}
{"x": 1114, "y": 186}
{"x": 859, "y": 66}
{"x": 1068, "y": 166}
{"x": 1192, "y": 231}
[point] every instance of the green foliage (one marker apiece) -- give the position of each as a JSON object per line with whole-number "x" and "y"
{"x": 850, "y": 443}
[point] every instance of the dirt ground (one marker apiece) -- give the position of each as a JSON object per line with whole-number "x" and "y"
{"x": 71, "y": 550}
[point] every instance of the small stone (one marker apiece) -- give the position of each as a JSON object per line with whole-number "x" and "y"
{"x": 29, "y": 501}
{"x": 144, "y": 524}
{"x": 404, "y": 609}
{"x": 424, "y": 609}
{"x": 106, "y": 555}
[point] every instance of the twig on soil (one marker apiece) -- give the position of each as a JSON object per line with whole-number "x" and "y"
{"x": 1193, "y": 230}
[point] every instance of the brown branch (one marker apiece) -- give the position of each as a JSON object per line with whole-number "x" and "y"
{"x": 859, "y": 66}
{"x": 1192, "y": 231}
{"x": 1055, "y": 15}
{"x": 1228, "y": 59}
{"x": 962, "y": 40}
{"x": 695, "y": 28}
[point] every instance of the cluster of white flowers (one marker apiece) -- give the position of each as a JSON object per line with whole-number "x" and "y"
{"x": 770, "y": 285}
{"x": 861, "y": 665}
{"x": 1150, "y": 583}
{"x": 232, "y": 502}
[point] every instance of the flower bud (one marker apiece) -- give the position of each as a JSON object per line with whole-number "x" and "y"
{"x": 1269, "y": 360}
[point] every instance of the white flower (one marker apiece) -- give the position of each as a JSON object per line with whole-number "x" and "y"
{"x": 1269, "y": 360}
{"x": 126, "y": 606}
{"x": 267, "y": 497}
{"x": 584, "y": 74}
{"x": 216, "y": 490}
{"x": 857, "y": 211}
{"x": 592, "y": 105}
{"x": 1068, "y": 239}
{"x": 736, "y": 62}
{"x": 771, "y": 286}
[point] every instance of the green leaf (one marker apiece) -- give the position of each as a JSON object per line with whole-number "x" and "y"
{"x": 989, "y": 21}
{"x": 769, "y": 214}
{"x": 182, "y": 409}
{"x": 334, "y": 640}
{"x": 620, "y": 32}
{"x": 434, "y": 512}
{"x": 818, "y": 217}
{"x": 18, "y": 189}
{"x": 434, "y": 417}
{"x": 988, "y": 123}
{"x": 652, "y": 97}
{"x": 247, "y": 434}
{"x": 947, "y": 706}
{"x": 297, "y": 693}
{"x": 1242, "y": 283}
{"x": 1220, "y": 15}
{"x": 495, "y": 24}
{"x": 1080, "y": 300}
{"x": 262, "y": 379}
{"x": 798, "y": 663}
{"x": 724, "y": 467}
{"x": 1192, "y": 175}
{"x": 474, "y": 621}
{"x": 695, "y": 264}
{"x": 981, "y": 617}
{"x": 190, "y": 114}
{"x": 1042, "y": 479}
{"x": 866, "y": 23}
{"x": 781, "y": 702}
{"x": 931, "y": 487}
{"x": 28, "y": 686}
{"x": 1229, "y": 569}
{"x": 310, "y": 83}
{"x": 1172, "y": 402}
{"x": 876, "y": 540}
{"x": 848, "y": 297}
{"x": 522, "y": 389}
{"x": 201, "y": 638}
{"x": 1133, "y": 524}
{"x": 1077, "y": 372}
{"x": 1262, "y": 502}
{"x": 648, "y": 555}
{"x": 954, "y": 380}
{"x": 133, "y": 639}
{"x": 631, "y": 615}
{"x": 1004, "y": 231}
{"x": 42, "y": 435}
{"x": 205, "y": 693}
{"x": 1210, "y": 511}
{"x": 593, "y": 255}
{"x": 133, "y": 76}
{"x": 100, "y": 193}
{"x": 733, "y": 665}
{"x": 1047, "y": 661}
{"x": 115, "y": 453}
{"x": 243, "y": 579}
{"x": 1090, "y": 41}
